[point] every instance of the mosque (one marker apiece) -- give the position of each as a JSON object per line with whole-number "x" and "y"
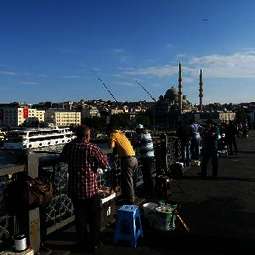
{"x": 172, "y": 106}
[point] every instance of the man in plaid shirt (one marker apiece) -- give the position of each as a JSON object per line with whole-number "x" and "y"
{"x": 83, "y": 159}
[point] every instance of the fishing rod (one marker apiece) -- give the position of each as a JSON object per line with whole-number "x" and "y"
{"x": 153, "y": 108}
{"x": 107, "y": 89}
{"x": 148, "y": 93}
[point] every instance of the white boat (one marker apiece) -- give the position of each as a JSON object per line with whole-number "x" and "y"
{"x": 36, "y": 138}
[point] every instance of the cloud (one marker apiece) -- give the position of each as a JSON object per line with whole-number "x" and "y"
{"x": 236, "y": 65}
{"x": 169, "y": 45}
{"x": 117, "y": 75}
{"x": 29, "y": 82}
{"x": 158, "y": 71}
{"x": 189, "y": 80}
{"x": 3, "y": 72}
{"x": 118, "y": 51}
{"x": 71, "y": 76}
{"x": 95, "y": 69}
{"x": 125, "y": 83}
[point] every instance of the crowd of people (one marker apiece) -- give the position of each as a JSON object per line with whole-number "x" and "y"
{"x": 205, "y": 142}
{"x": 85, "y": 158}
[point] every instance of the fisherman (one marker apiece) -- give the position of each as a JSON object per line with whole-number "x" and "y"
{"x": 210, "y": 148}
{"x": 144, "y": 144}
{"x": 231, "y": 132}
{"x": 184, "y": 133}
{"x": 195, "y": 140}
{"x": 84, "y": 159}
{"x": 129, "y": 164}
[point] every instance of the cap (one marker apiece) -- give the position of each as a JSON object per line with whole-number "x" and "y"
{"x": 139, "y": 126}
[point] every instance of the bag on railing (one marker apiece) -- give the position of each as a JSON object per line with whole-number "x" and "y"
{"x": 27, "y": 193}
{"x": 36, "y": 192}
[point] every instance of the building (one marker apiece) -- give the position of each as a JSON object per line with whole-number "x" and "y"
{"x": 14, "y": 115}
{"x": 62, "y": 118}
{"x": 90, "y": 112}
{"x": 116, "y": 110}
{"x": 222, "y": 117}
{"x": 166, "y": 110}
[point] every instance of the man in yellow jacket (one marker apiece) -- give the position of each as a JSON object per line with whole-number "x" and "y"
{"x": 120, "y": 142}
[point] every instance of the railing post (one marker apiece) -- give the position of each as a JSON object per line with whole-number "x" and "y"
{"x": 34, "y": 214}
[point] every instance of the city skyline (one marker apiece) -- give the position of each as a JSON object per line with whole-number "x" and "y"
{"x": 56, "y": 50}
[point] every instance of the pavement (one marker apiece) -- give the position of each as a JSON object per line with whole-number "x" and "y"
{"x": 219, "y": 212}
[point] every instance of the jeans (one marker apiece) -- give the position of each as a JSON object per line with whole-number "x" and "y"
{"x": 128, "y": 167}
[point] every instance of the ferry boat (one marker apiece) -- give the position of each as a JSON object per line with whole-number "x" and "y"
{"x": 36, "y": 138}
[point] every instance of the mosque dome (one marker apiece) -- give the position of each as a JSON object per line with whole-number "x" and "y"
{"x": 171, "y": 94}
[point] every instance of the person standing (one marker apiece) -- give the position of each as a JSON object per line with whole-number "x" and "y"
{"x": 231, "y": 132}
{"x": 184, "y": 133}
{"x": 195, "y": 140}
{"x": 84, "y": 159}
{"x": 119, "y": 141}
{"x": 144, "y": 144}
{"x": 210, "y": 149}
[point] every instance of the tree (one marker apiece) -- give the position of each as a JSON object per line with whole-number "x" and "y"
{"x": 31, "y": 122}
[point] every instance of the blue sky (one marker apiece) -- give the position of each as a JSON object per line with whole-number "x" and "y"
{"x": 55, "y": 49}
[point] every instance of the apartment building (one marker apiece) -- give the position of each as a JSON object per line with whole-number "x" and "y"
{"x": 62, "y": 118}
{"x": 15, "y": 115}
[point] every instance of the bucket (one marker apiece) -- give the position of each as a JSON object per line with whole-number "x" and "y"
{"x": 149, "y": 213}
{"x": 20, "y": 243}
{"x": 148, "y": 208}
{"x": 165, "y": 217}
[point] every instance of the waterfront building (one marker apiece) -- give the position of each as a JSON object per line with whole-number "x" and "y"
{"x": 216, "y": 116}
{"x": 89, "y": 111}
{"x": 167, "y": 112}
{"x": 62, "y": 118}
{"x": 14, "y": 115}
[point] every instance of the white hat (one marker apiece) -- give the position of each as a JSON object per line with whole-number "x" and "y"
{"x": 139, "y": 126}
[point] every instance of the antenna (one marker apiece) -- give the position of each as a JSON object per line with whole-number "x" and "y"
{"x": 148, "y": 93}
{"x": 107, "y": 89}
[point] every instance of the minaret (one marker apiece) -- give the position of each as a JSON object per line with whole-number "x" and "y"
{"x": 180, "y": 88}
{"x": 201, "y": 91}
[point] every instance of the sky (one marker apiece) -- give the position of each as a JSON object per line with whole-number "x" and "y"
{"x": 55, "y": 50}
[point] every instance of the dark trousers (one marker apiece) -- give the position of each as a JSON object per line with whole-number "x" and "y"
{"x": 87, "y": 213}
{"x": 147, "y": 170}
{"x": 207, "y": 155}
{"x": 194, "y": 148}
{"x": 128, "y": 167}
{"x": 231, "y": 142}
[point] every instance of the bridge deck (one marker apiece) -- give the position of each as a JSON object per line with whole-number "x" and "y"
{"x": 220, "y": 213}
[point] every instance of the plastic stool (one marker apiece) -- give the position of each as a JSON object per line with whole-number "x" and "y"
{"x": 128, "y": 226}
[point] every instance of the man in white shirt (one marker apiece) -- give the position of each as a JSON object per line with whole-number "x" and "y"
{"x": 144, "y": 144}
